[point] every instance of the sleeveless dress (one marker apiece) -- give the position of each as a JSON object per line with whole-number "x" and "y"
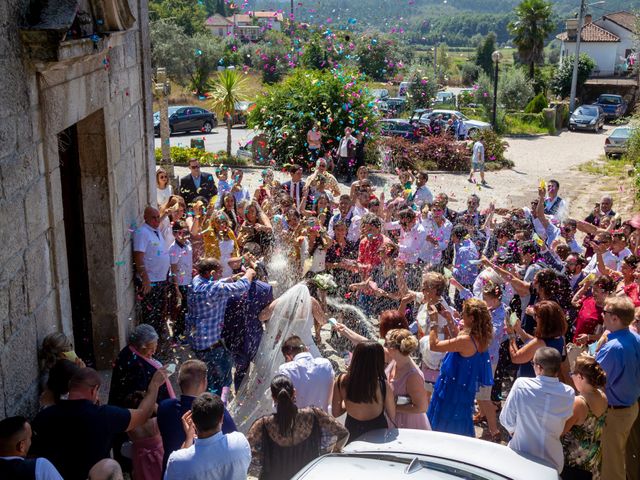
{"x": 582, "y": 450}
{"x": 526, "y": 369}
{"x": 358, "y": 428}
{"x": 451, "y": 407}
{"x": 416, "y": 421}
{"x": 283, "y": 462}
{"x": 147, "y": 455}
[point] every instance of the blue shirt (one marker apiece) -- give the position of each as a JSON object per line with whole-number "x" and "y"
{"x": 170, "y": 413}
{"x": 463, "y": 270}
{"x": 207, "y": 302}
{"x": 620, "y": 359}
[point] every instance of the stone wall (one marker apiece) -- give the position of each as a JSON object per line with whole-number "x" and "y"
{"x": 106, "y": 94}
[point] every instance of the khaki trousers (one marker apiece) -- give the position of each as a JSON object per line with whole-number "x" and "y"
{"x": 613, "y": 441}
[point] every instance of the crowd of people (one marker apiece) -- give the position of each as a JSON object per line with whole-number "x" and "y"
{"x": 441, "y": 320}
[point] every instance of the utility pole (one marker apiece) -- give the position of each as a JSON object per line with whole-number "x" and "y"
{"x": 162, "y": 90}
{"x": 435, "y": 63}
{"x": 574, "y": 76}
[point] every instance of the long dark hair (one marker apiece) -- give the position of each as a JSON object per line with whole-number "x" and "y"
{"x": 286, "y": 409}
{"x": 366, "y": 371}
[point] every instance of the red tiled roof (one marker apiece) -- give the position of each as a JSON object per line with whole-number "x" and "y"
{"x": 625, "y": 19}
{"x": 591, "y": 33}
{"x": 217, "y": 20}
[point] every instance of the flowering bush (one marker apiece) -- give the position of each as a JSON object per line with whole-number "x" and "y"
{"x": 494, "y": 149}
{"x": 431, "y": 153}
{"x": 181, "y": 155}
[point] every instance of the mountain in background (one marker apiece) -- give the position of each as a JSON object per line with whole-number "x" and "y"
{"x": 454, "y": 22}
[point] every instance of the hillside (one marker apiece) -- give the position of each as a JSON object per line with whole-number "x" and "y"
{"x": 454, "y": 22}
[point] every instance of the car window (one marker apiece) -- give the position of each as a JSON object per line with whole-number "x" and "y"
{"x": 181, "y": 112}
{"x": 196, "y": 111}
{"x": 609, "y": 100}
{"x": 587, "y": 111}
{"x": 621, "y": 132}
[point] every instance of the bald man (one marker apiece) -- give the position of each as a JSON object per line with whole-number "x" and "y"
{"x": 106, "y": 469}
{"x": 151, "y": 258}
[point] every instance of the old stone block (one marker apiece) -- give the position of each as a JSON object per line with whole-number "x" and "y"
{"x": 17, "y": 300}
{"x": 130, "y": 128}
{"x": 19, "y": 361}
{"x": 38, "y": 264}
{"x": 105, "y": 339}
{"x": 13, "y": 94}
{"x": 17, "y": 171}
{"x": 131, "y": 51}
{"x": 3, "y": 412}
{"x": 64, "y": 304}
{"x": 8, "y": 136}
{"x": 123, "y": 179}
{"x": 36, "y": 209}
{"x": 12, "y": 230}
{"x": 95, "y": 200}
{"x": 46, "y": 317}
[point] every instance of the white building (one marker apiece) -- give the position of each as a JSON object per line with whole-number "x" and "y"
{"x": 608, "y": 41}
{"x": 219, "y": 25}
{"x": 248, "y": 26}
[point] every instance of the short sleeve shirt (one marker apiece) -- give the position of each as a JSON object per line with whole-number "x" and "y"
{"x": 156, "y": 256}
{"x": 75, "y": 434}
{"x": 182, "y": 256}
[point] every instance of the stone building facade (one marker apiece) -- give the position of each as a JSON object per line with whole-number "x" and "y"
{"x": 76, "y": 159}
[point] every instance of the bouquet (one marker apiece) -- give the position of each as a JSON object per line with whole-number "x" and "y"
{"x": 325, "y": 282}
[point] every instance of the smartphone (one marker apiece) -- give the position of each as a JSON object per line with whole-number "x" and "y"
{"x": 439, "y": 307}
{"x": 403, "y": 400}
{"x": 513, "y": 319}
{"x": 332, "y": 321}
{"x": 171, "y": 368}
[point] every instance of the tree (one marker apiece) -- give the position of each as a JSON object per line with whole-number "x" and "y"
{"x": 514, "y": 89}
{"x": 286, "y": 111}
{"x": 378, "y": 56}
{"x": 530, "y": 30}
{"x": 206, "y": 53}
{"x": 228, "y": 90}
{"x": 561, "y": 82}
{"x": 313, "y": 56}
{"x": 187, "y": 14}
{"x": 274, "y": 56}
{"x": 421, "y": 90}
{"x": 483, "y": 56}
{"x": 171, "y": 48}
{"x": 469, "y": 73}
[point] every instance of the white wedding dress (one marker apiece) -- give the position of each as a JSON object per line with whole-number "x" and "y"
{"x": 292, "y": 315}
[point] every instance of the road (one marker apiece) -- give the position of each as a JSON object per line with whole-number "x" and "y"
{"x": 535, "y": 157}
{"x": 214, "y": 141}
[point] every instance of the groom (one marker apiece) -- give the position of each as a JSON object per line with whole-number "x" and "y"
{"x": 242, "y": 329}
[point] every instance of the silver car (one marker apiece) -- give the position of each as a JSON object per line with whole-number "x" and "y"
{"x": 396, "y": 453}
{"x": 616, "y": 142}
{"x": 472, "y": 125}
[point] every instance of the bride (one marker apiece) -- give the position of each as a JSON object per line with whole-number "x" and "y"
{"x": 291, "y": 314}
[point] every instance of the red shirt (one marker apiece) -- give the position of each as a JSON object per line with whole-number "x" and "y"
{"x": 632, "y": 292}
{"x": 589, "y": 317}
{"x": 368, "y": 255}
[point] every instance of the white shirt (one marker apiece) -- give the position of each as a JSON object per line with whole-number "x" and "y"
{"x": 312, "y": 379}
{"x": 610, "y": 260}
{"x": 359, "y": 210}
{"x": 410, "y": 243}
{"x": 162, "y": 195}
{"x": 422, "y": 196}
{"x": 353, "y": 232}
{"x": 44, "y": 469}
{"x": 183, "y": 257}
{"x": 156, "y": 257}
{"x": 534, "y": 414}
{"x": 478, "y": 153}
{"x": 296, "y": 192}
{"x": 344, "y": 151}
{"x": 220, "y": 457}
{"x": 432, "y": 254}
{"x": 622, "y": 254}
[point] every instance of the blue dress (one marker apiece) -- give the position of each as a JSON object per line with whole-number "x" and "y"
{"x": 451, "y": 407}
{"x": 526, "y": 369}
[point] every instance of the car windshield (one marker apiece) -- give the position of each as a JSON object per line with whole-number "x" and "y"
{"x": 609, "y": 100}
{"x": 621, "y": 132}
{"x": 587, "y": 111}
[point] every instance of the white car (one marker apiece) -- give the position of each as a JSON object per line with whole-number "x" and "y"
{"x": 418, "y": 454}
{"x": 472, "y": 125}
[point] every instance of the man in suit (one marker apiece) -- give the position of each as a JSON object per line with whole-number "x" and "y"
{"x": 197, "y": 183}
{"x": 242, "y": 329}
{"x": 295, "y": 186}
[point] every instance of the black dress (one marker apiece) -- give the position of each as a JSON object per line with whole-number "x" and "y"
{"x": 357, "y": 428}
{"x": 283, "y": 462}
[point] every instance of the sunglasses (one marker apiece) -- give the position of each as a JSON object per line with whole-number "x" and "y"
{"x": 601, "y": 242}
{"x": 162, "y": 176}
{"x": 197, "y": 167}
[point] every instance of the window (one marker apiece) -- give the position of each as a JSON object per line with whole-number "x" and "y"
{"x": 221, "y": 31}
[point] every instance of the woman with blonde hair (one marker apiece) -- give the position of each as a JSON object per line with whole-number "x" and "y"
{"x": 465, "y": 368}
{"x": 406, "y": 379}
{"x": 582, "y": 440}
{"x": 163, "y": 188}
{"x": 173, "y": 210}
{"x": 220, "y": 241}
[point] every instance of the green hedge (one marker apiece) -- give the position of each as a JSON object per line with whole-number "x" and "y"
{"x": 183, "y": 154}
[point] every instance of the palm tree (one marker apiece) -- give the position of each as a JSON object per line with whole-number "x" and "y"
{"x": 530, "y": 30}
{"x": 228, "y": 89}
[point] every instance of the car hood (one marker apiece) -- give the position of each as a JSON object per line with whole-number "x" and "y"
{"x": 582, "y": 117}
{"x": 476, "y": 123}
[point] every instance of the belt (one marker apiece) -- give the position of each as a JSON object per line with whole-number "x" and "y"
{"x": 218, "y": 344}
{"x": 619, "y": 407}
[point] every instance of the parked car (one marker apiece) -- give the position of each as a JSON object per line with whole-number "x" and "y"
{"x": 616, "y": 142}
{"x": 472, "y": 125}
{"x": 417, "y": 114}
{"x": 187, "y": 119}
{"x": 396, "y": 104}
{"x": 587, "y": 117}
{"x": 614, "y": 106}
{"x": 444, "y": 97}
{"x": 397, "y": 127}
{"x": 380, "y": 93}
{"x": 242, "y": 109}
{"x": 419, "y": 454}
{"x": 255, "y": 148}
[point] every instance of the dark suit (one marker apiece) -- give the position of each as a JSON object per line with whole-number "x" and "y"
{"x": 188, "y": 189}
{"x": 242, "y": 329}
{"x": 286, "y": 186}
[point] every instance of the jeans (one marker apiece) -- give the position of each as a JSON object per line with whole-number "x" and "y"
{"x": 219, "y": 362}
{"x": 152, "y": 307}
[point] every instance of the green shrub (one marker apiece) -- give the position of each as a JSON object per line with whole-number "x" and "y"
{"x": 494, "y": 147}
{"x": 524, "y": 124}
{"x": 181, "y": 155}
{"x": 537, "y": 104}
{"x": 431, "y": 153}
{"x": 514, "y": 89}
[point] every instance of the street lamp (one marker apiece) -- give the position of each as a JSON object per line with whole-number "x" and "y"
{"x": 576, "y": 58}
{"x": 496, "y": 57}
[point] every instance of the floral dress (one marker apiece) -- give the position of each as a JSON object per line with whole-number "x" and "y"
{"x": 582, "y": 445}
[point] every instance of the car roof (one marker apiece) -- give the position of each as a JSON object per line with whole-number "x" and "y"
{"x": 394, "y": 120}
{"x": 438, "y": 111}
{"x": 487, "y": 455}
